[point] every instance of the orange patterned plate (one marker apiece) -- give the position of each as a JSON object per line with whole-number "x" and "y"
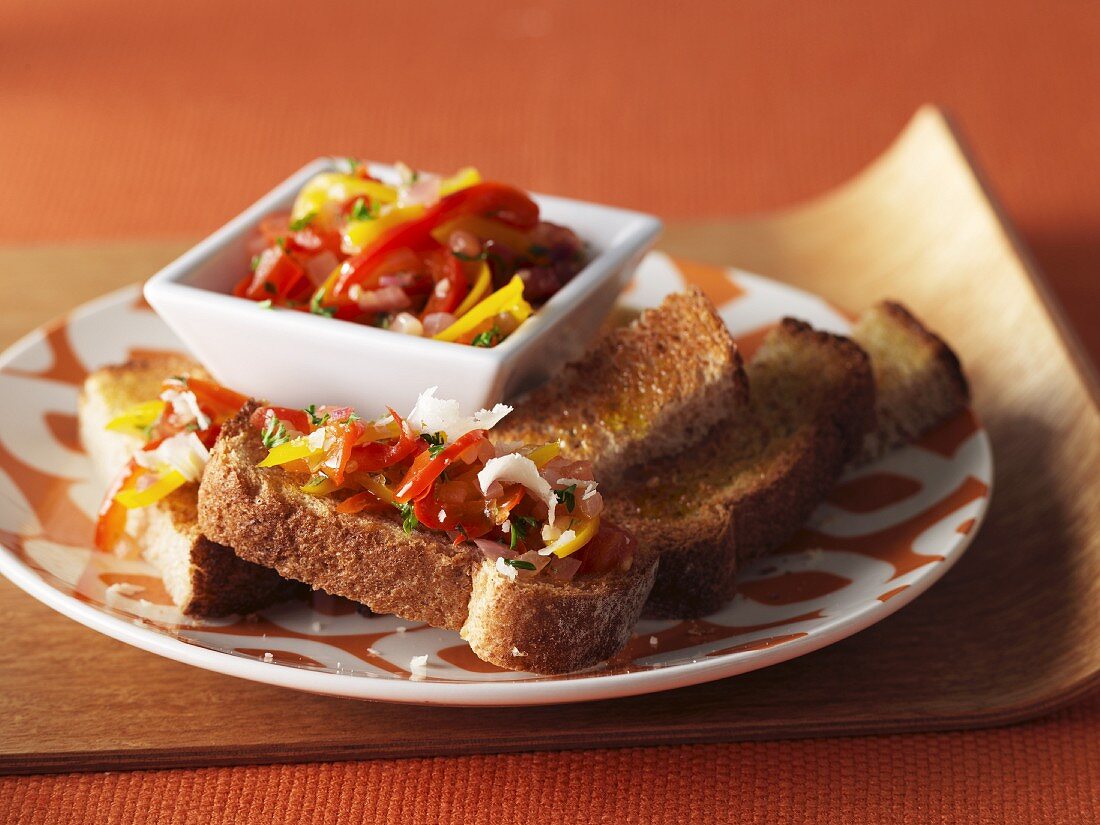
{"x": 886, "y": 533}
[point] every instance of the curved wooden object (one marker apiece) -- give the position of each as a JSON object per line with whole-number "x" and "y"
{"x": 1008, "y": 634}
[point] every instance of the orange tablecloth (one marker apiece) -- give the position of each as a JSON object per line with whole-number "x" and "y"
{"x": 122, "y": 121}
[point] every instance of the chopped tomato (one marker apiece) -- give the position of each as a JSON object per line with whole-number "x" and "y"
{"x": 336, "y": 461}
{"x": 377, "y": 456}
{"x": 362, "y": 501}
{"x": 298, "y": 419}
{"x": 277, "y": 277}
{"x": 216, "y": 399}
{"x": 426, "y": 468}
{"x": 612, "y": 548}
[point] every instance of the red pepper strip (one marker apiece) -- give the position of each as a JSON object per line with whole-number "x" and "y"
{"x": 451, "y": 284}
{"x": 111, "y": 519}
{"x": 423, "y": 472}
{"x": 215, "y": 398}
{"x": 497, "y": 200}
{"x": 362, "y": 501}
{"x": 376, "y": 456}
{"x": 337, "y": 460}
{"x": 428, "y": 508}
{"x": 513, "y": 500}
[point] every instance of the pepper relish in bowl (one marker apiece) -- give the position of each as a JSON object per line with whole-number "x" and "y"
{"x": 454, "y": 259}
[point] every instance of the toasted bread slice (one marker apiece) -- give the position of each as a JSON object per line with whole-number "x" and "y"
{"x": 644, "y": 391}
{"x": 522, "y": 624}
{"x": 753, "y": 482}
{"x": 203, "y": 578}
{"x": 918, "y": 378}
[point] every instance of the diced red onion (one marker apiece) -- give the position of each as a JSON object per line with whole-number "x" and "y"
{"x": 485, "y": 450}
{"x": 437, "y": 322}
{"x": 531, "y": 557}
{"x": 406, "y": 323}
{"x": 320, "y": 266}
{"x": 495, "y": 490}
{"x": 589, "y": 507}
{"x": 563, "y": 570}
{"x": 493, "y": 550}
{"x": 383, "y": 299}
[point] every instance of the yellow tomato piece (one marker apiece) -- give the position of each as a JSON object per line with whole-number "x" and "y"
{"x": 508, "y": 298}
{"x": 319, "y": 486}
{"x": 545, "y": 454}
{"x": 290, "y": 451}
{"x": 137, "y": 417}
{"x": 328, "y": 190}
{"x": 132, "y": 499}
{"x": 584, "y": 534}
{"x": 462, "y": 179}
{"x": 482, "y": 284}
{"x": 357, "y": 234}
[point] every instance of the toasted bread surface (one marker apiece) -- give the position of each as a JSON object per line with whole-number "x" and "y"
{"x": 752, "y": 483}
{"x": 203, "y": 578}
{"x": 918, "y": 378}
{"x": 644, "y": 391}
{"x": 531, "y": 624}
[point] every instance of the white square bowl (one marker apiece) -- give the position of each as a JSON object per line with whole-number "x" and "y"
{"x": 295, "y": 358}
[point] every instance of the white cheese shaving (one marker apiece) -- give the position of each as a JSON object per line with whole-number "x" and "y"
{"x": 442, "y": 514}
{"x": 441, "y": 415}
{"x": 268, "y": 657}
{"x": 653, "y": 641}
{"x": 418, "y": 666}
{"x": 517, "y": 469}
{"x": 505, "y": 570}
{"x": 506, "y": 526}
{"x": 185, "y": 406}
{"x": 562, "y": 540}
{"x": 401, "y": 628}
{"x": 316, "y": 439}
{"x": 183, "y": 452}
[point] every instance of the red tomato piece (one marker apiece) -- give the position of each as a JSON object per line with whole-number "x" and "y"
{"x": 612, "y": 548}
{"x": 377, "y": 456}
{"x": 451, "y": 284}
{"x": 111, "y": 518}
{"x": 426, "y": 468}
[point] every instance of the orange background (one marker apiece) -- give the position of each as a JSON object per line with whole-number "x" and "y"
{"x": 120, "y": 121}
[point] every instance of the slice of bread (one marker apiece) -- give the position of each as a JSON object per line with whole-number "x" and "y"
{"x": 750, "y": 484}
{"x": 917, "y": 377}
{"x": 204, "y": 579}
{"x": 534, "y": 624}
{"x": 644, "y": 391}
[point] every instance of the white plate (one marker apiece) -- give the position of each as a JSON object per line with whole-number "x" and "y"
{"x": 887, "y": 533}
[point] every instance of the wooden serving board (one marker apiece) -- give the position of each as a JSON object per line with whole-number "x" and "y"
{"x": 1010, "y": 633}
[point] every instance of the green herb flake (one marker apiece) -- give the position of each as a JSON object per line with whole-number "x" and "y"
{"x": 436, "y": 443}
{"x": 360, "y": 211}
{"x": 567, "y": 497}
{"x": 317, "y": 308}
{"x": 301, "y": 223}
{"x": 274, "y": 433}
{"x": 486, "y": 338}
{"x": 315, "y": 419}
{"x": 270, "y": 288}
{"x": 409, "y": 521}
{"x": 254, "y": 263}
{"x": 281, "y": 243}
{"x": 519, "y": 564}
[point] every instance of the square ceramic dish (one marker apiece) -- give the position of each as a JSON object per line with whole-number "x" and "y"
{"x": 296, "y": 358}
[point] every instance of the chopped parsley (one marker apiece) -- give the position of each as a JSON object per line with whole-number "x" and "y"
{"x": 353, "y": 164}
{"x": 270, "y": 287}
{"x": 317, "y": 308}
{"x": 360, "y": 211}
{"x": 520, "y": 526}
{"x": 266, "y": 304}
{"x": 314, "y": 419}
{"x": 409, "y": 521}
{"x": 274, "y": 433}
{"x": 436, "y": 443}
{"x": 519, "y": 564}
{"x": 486, "y": 338}
{"x": 281, "y": 243}
{"x": 254, "y": 263}
{"x": 301, "y": 223}
{"x": 566, "y": 497}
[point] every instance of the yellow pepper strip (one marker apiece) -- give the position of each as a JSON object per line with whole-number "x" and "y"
{"x": 337, "y": 188}
{"x": 137, "y": 418}
{"x": 584, "y": 535}
{"x": 379, "y": 432}
{"x": 482, "y": 284}
{"x": 319, "y": 486}
{"x": 486, "y": 229}
{"x": 508, "y": 298}
{"x": 132, "y": 499}
{"x": 290, "y": 451}
{"x": 357, "y": 234}
{"x": 462, "y": 179}
{"x": 374, "y": 485}
{"x": 545, "y": 454}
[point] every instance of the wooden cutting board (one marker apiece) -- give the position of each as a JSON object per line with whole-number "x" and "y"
{"x": 1010, "y": 633}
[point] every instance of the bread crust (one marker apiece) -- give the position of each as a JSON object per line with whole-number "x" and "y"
{"x": 644, "y": 391}
{"x": 421, "y": 576}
